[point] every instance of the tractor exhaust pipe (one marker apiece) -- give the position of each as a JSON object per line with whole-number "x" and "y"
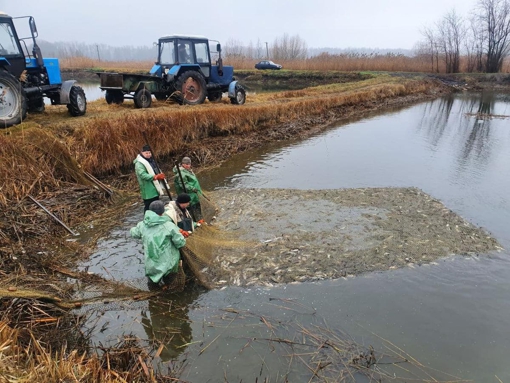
{"x": 220, "y": 60}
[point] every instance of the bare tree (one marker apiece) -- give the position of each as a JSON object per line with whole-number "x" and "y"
{"x": 430, "y": 47}
{"x": 289, "y": 48}
{"x": 259, "y": 50}
{"x": 452, "y": 32}
{"x": 473, "y": 45}
{"x": 494, "y": 21}
{"x": 233, "y": 48}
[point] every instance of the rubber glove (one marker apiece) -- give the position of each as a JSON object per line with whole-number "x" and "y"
{"x": 159, "y": 177}
{"x": 201, "y": 222}
{"x": 184, "y": 233}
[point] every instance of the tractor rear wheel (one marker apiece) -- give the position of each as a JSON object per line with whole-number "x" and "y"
{"x": 13, "y": 103}
{"x": 142, "y": 98}
{"x": 192, "y": 86}
{"x": 239, "y": 97}
{"x": 114, "y": 97}
{"x": 77, "y": 101}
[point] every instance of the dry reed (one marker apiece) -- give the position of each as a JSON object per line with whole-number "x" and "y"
{"x": 34, "y": 361}
{"x": 324, "y": 62}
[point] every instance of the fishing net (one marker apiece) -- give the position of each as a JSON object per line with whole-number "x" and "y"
{"x": 209, "y": 208}
{"x": 200, "y": 255}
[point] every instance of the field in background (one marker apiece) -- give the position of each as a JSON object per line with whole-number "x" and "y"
{"x": 324, "y": 62}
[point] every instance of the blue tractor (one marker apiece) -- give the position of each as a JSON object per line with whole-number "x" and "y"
{"x": 183, "y": 72}
{"x": 25, "y": 79}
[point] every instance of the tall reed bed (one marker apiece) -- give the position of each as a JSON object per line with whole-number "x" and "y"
{"x": 88, "y": 63}
{"x": 323, "y": 62}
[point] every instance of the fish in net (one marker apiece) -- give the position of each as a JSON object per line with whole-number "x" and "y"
{"x": 209, "y": 208}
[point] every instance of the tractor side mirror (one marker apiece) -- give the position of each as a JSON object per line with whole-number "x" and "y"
{"x": 33, "y": 27}
{"x": 218, "y": 47}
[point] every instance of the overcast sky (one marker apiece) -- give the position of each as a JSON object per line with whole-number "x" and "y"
{"x": 320, "y": 23}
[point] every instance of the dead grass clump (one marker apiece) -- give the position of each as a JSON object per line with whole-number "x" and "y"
{"x": 128, "y": 361}
{"x": 35, "y": 161}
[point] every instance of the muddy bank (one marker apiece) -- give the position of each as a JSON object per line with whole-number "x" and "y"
{"x": 285, "y": 236}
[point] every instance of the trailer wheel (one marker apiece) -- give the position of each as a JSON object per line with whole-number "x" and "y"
{"x": 13, "y": 103}
{"x": 142, "y": 98}
{"x": 77, "y": 101}
{"x": 240, "y": 96}
{"x": 114, "y": 97}
{"x": 192, "y": 86}
{"x": 214, "y": 96}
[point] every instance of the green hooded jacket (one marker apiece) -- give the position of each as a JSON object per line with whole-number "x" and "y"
{"x": 191, "y": 183}
{"x": 147, "y": 188}
{"x": 161, "y": 242}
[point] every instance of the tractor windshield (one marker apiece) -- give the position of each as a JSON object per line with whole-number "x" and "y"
{"x": 167, "y": 52}
{"x": 8, "y": 44}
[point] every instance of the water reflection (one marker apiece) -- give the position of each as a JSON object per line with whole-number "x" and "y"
{"x": 166, "y": 321}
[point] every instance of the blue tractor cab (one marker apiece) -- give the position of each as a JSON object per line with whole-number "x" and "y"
{"x": 26, "y": 77}
{"x": 184, "y": 71}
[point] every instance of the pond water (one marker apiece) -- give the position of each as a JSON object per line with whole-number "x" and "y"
{"x": 93, "y": 92}
{"x": 452, "y": 315}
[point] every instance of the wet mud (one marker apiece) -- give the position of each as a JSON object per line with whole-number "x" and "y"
{"x": 286, "y": 236}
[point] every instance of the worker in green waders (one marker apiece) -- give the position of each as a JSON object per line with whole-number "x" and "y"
{"x": 161, "y": 243}
{"x": 186, "y": 181}
{"x": 149, "y": 177}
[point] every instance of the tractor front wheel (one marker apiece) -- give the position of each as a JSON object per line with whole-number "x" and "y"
{"x": 239, "y": 97}
{"x": 13, "y": 103}
{"x": 142, "y": 98}
{"x": 192, "y": 86}
{"x": 114, "y": 97}
{"x": 77, "y": 101}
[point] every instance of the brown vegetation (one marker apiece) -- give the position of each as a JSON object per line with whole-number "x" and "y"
{"x": 26, "y": 358}
{"x": 323, "y": 62}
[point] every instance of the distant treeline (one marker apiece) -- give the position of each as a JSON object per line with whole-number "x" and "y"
{"x": 232, "y": 49}
{"x": 99, "y": 52}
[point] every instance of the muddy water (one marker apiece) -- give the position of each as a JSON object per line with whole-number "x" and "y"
{"x": 93, "y": 92}
{"x": 451, "y": 315}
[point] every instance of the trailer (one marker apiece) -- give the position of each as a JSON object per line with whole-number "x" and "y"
{"x": 183, "y": 72}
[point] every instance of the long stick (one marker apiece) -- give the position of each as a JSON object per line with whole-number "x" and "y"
{"x": 52, "y": 215}
{"x": 158, "y": 168}
{"x": 184, "y": 188}
{"x": 180, "y": 177}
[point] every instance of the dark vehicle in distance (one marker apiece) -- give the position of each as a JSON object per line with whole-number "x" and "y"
{"x": 267, "y": 64}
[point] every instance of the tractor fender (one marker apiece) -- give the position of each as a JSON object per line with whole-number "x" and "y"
{"x": 65, "y": 90}
{"x": 177, "y": 70}
{"x": 4, "y": 62}
{"x": 232, "y": 89}
{"x": 156, "y": 70}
